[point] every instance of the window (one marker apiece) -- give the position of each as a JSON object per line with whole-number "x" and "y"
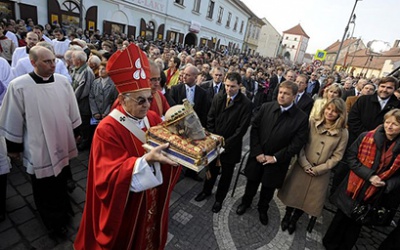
{"x": 236, "y": 23}
{"x": 228, "y": 22}
{"x": 220, "y": 14}
{"x": 292, "y": 46}
{"x": 210, "y": 10}
{"x": 180, "y": 2}
{"x": 287, "y": 38}
{"x": 295, "y": 38}
{"x": 241, "y": 27}
{"x": 196, "y": 6}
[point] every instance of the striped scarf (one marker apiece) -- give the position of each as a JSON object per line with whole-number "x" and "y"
{"x": 366, "y": 156}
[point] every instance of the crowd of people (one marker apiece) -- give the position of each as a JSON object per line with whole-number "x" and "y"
{"x": 67, "y": 90}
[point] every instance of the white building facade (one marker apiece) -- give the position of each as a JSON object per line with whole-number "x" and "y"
{"x": 212, "y": 23}
{"x": 269, "y": 41}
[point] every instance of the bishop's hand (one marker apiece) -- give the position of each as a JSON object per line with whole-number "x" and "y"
{"x": 156, "y": 155}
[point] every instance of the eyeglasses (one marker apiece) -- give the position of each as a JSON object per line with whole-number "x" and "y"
{"x": 313, "y": 75}
{"x": 141, "y": 100}
{"x": 155, "y": 79}
{"x": 218, "y": 74}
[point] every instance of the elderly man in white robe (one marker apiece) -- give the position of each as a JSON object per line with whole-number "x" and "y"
{"x": 38, "y": 118}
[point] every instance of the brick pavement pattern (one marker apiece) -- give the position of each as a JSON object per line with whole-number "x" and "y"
{"x": 192, "y": 224}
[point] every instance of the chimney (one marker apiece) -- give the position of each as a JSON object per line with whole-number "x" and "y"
{"x": 396, "y": 43}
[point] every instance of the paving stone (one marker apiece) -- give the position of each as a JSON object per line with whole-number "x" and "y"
{"x": 78, "y": 195}
{"x": 80, "y": 175}
{"x": 6, "y": 224}
{"x": 21, "y": 215}
{"x": 14, "y": 203}
{"x": 25, "y": 189}
{"x": 31, "y": 202}
{"x": 8, "y": 238}
{"x": 16, "y": 179}
{"x": 19, "y": 246}
{"x": 82, "y": 183}
{"x": 11, "y": 190}
{"x": 32, "y": 230}
{"x": 44, "y": 242}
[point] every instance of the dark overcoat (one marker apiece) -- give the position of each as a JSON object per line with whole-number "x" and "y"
{"x": 201, "y": 102}
{"x": 230, "y": 122}
{"x": 366, "y": 114}
{"x": 390, "y": 198}
{"x": 277, "y": 134}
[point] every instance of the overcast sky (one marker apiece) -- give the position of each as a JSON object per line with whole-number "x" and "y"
{"x": 324, "y": 21}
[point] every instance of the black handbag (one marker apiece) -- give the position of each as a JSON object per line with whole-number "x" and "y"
{"x": 373, "y": 214}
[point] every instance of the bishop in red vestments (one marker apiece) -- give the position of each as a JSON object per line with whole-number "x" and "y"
{"x": 128, "y": 190}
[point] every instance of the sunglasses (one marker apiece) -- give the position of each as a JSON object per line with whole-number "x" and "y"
{"x": 141, "y": 100}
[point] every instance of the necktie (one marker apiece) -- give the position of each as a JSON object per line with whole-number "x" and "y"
{"x": 215, "y": 89}
{"x": 297, "y": 99}
{"x": 228, "y": 101}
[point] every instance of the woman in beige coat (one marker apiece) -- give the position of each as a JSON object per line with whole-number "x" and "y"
{"x": 305, "y": 186}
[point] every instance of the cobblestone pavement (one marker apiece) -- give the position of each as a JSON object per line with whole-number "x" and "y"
{"x": 192, "y": 224}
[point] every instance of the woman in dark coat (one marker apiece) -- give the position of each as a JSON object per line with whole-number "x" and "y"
{"x": 374, "y": 162}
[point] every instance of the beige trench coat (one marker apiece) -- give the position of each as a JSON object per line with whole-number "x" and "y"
{"x": 322, "y": 152}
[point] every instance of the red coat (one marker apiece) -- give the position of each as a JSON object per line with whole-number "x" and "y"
{"x": 114, "y": 217}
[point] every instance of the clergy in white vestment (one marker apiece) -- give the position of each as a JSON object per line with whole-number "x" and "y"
{"x": 31, "y": 40}
{"x": 24, "y": 65}
{"x": 38, "y": 118}
{"x": 60, "y": 43}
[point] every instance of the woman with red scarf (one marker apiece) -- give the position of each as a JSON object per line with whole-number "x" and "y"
{"x": 374, "y": 161}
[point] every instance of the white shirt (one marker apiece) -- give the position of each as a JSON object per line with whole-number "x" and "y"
{"x": 190, "y": 93}
{"x": 383, "y": 102}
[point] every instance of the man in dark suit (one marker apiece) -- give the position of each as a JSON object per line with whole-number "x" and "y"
{"x": 355, "y": 91}
{"x": 303, "y": 101}
{"x": 289, "y": 76}
{"x": 279, "y": 130}
{"x": 196, "y": 95}
{"x": 368, "y": 111}
{"x": 215, "y": 85}
{"x": 229, "y": 117}
{"x": 274, "y": 81}
{"x": 313, "y": 85}
{"x": 365, "y": 115}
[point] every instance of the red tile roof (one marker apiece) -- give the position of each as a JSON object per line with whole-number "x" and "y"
{"x": 296, "y": 30}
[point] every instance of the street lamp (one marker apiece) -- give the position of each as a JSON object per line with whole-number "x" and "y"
{"x": 344, "y": 35}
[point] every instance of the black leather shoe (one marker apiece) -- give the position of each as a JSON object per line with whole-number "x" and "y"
{"x": 241, "y": 209}
{"x": 285, "y": 222}
{"x": 201, "y": 197}
{"x": 217, "y": 207}
{"x": 292, "y": 226}
{"x": 264, "y": 218}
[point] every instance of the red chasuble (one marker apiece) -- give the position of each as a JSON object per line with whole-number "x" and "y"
{"x": 114, "y": 217}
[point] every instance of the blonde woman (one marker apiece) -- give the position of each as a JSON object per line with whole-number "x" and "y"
{"x": 305, "y": 186}
{"x": 334, "y": 90}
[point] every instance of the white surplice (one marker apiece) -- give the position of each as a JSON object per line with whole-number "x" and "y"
{"x": 42, "y": 117}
